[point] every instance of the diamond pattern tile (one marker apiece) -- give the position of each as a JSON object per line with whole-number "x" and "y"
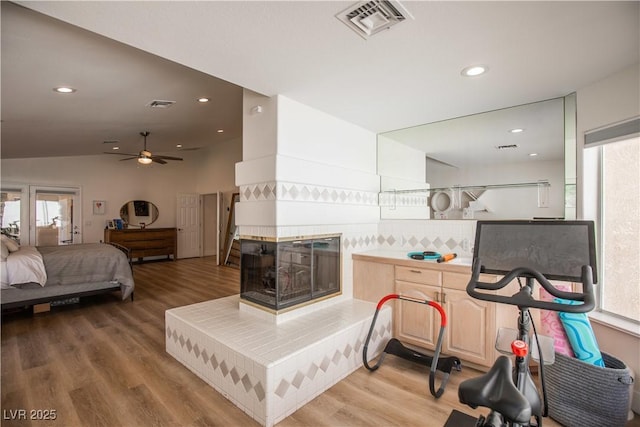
{"x": 305, "y": 381}
{"x": 451, "y": 244}
{"x": 306, "y": 192}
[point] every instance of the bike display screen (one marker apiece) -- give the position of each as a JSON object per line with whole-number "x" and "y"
{"x": 557, "y": 249}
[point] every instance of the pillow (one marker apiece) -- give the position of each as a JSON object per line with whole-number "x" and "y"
{"x": 581, "y": 336}
{"x": 551, "y": 324}
{"x": 26, "y": 266}
{"x": 11, "y": 244}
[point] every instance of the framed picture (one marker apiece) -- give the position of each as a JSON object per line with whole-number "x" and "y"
{"x": 99, "y": 207}
{"x": 111, "y": 225}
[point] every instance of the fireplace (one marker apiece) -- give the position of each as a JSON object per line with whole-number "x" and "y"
{"x": 278, "y": 275}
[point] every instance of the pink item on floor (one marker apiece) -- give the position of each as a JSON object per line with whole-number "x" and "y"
{"x": 551, "y": 324}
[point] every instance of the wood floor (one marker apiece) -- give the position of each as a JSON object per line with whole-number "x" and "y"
{"x": 103, "y": 363}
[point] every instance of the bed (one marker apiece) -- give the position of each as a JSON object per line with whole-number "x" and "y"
{"x": 34, "y": 275}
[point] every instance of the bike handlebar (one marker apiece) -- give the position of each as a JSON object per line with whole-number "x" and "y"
{"x": 523, "y": 298}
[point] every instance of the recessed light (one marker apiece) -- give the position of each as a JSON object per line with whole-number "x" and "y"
{"x": 179, "y": 146}
{"x": 220, "y": 130}
{"x": 516, "y": 130}
{"x": 203, "y": 100}
{"x": 64, "y": 89}
{"x": 115, "y": 148}
{"x": 533, "y": 154}
{"x": 474, "y": 70}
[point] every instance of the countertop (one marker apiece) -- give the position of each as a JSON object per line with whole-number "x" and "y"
{"x": 401, "y": 258}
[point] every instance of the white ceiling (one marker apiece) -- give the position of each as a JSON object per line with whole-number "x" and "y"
{"x": 402, "y": 77}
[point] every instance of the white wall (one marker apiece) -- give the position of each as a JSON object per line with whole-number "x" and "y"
{"x": 215, "y": 167}
{"x": 321, "y": 179}
{"x": 106, "y": 178}
{"x": 322, "y": 172}
{"x": 401, "y": 168}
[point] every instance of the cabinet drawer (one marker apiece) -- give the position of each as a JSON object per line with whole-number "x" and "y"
{"x": 135, "y": 245}
{"x": 419, "y": 275}
{"x": 124, "y": 237}
{"x": 460, "y": 280}
{"x": 158, "y": 235}
{"x": 158, "y": 251}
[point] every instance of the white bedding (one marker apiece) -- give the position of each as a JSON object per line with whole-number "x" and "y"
{"x": 25, "y": 265}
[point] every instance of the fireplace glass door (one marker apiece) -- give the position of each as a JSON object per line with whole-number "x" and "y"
{"x": 278, "y": 275}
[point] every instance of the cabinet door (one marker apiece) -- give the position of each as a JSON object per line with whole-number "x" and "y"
{"x": 470, "y": 332}
{"x": 372, "y": 280}
{"x": 417, "y": 324}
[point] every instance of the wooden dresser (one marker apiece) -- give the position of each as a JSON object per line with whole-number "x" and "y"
{"x": 145, "y": 242}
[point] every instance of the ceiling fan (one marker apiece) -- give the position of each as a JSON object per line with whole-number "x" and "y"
{"x": 145, "y": 157}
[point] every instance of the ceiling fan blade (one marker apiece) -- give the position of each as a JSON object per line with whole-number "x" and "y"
{"x": 157, "y": 160}
{"x": 129, "y": 158}
{"x": 166, "y": 158}
{"x": 121, "y": 154}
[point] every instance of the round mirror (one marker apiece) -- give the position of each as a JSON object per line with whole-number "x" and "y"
{"x": 139, "y": 213}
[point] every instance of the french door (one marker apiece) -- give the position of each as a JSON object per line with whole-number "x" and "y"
{"x": 54, "y": 216}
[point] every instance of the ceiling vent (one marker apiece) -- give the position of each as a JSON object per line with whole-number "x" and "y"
{"x": 157, "y": 103}
{"x": 370, "y": 17}
{"x": 506, "y": 147}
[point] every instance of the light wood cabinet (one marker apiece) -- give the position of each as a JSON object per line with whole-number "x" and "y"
{"x": 372, "y": 280}
{"x": 145, "y": 242}
{"x": 417, "y": 324}
{"x": 471, "y": 329}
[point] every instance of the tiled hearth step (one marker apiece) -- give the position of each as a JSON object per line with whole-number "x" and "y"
{"x": 270, "y": 370}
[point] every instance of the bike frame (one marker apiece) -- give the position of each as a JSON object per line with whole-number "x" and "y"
{"x": 521, "y": 373}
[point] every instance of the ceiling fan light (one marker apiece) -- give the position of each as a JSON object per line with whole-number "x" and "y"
{"x": 144, "y": 160}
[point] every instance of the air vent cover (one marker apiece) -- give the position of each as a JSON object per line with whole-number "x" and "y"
{"x": 506, "y": 147}
{"x": 157, "y": 103}
{"x": 370, "y": 17}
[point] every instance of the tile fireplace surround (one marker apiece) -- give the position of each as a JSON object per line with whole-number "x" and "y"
{"x": 270, "y": 369}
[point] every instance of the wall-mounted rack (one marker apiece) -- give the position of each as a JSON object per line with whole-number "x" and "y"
{"x": 419, "y": 197}
{"x": 541, "y": 183}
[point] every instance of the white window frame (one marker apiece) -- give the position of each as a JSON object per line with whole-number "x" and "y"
{"x": 593, "y": 202}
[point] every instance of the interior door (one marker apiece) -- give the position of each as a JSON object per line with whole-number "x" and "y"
{"x": 54, "y": 216}
{"x": 188, "y": 219}
{"x": 211, "y": 225}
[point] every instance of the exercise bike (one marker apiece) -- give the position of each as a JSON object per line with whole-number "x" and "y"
{"x": 509, "y": 390}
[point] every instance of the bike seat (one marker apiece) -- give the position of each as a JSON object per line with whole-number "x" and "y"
{"x": 495, "y": 390}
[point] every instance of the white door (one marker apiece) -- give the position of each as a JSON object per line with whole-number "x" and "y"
{"x": 211, "y": 225}
{"x": 188, "y": 219}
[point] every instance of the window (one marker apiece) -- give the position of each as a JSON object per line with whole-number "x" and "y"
{"x": 10, "y": 205}
{"x": 612, "y": 198}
